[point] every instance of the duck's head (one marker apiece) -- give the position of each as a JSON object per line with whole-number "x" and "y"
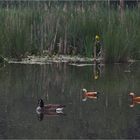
{"x": 84, "y": 90}
{"x": 41, "y": 103}
{"x": 131, "y": 94}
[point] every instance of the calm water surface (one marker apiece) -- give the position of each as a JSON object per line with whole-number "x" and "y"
{"x": 110, "y": 116}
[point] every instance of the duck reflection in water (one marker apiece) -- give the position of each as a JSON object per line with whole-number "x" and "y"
{"x": 134, "y": 99}
{"x": 89, "y": 94}
{"x": 48, "y": 110}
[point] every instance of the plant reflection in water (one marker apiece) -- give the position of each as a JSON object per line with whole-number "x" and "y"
{"x": 97, "y": 70}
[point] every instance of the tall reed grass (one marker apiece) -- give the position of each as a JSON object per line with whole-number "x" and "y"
{"x": 69, "y": 29}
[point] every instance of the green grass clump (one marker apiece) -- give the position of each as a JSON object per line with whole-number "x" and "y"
{"x": 59, "y": 28}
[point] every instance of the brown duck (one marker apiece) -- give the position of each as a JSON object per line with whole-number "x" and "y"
{"x": 135, "y": 99}
{"x": 89, "y": 94}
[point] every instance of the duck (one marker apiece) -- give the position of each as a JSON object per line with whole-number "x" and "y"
{"x": 49, "y": 108}
{"x": 89, "y": 94}
{"x": 135, "y": 99}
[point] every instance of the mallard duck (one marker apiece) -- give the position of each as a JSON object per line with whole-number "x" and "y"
{"x": 89, "y": 94}
{"x": 41, "y": 108}
{"x": 135, "y": 99}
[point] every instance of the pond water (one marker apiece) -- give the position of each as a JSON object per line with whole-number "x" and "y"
{"x": 110, "y": 116}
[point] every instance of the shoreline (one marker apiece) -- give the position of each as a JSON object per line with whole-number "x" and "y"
{"x": 54, "y": 59}
{"x": 72, "y": 60}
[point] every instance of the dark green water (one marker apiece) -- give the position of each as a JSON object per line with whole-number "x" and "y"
{"x": 107, "y": 117}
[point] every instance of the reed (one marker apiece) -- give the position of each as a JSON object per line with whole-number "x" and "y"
{"x": 69, "y": 29}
